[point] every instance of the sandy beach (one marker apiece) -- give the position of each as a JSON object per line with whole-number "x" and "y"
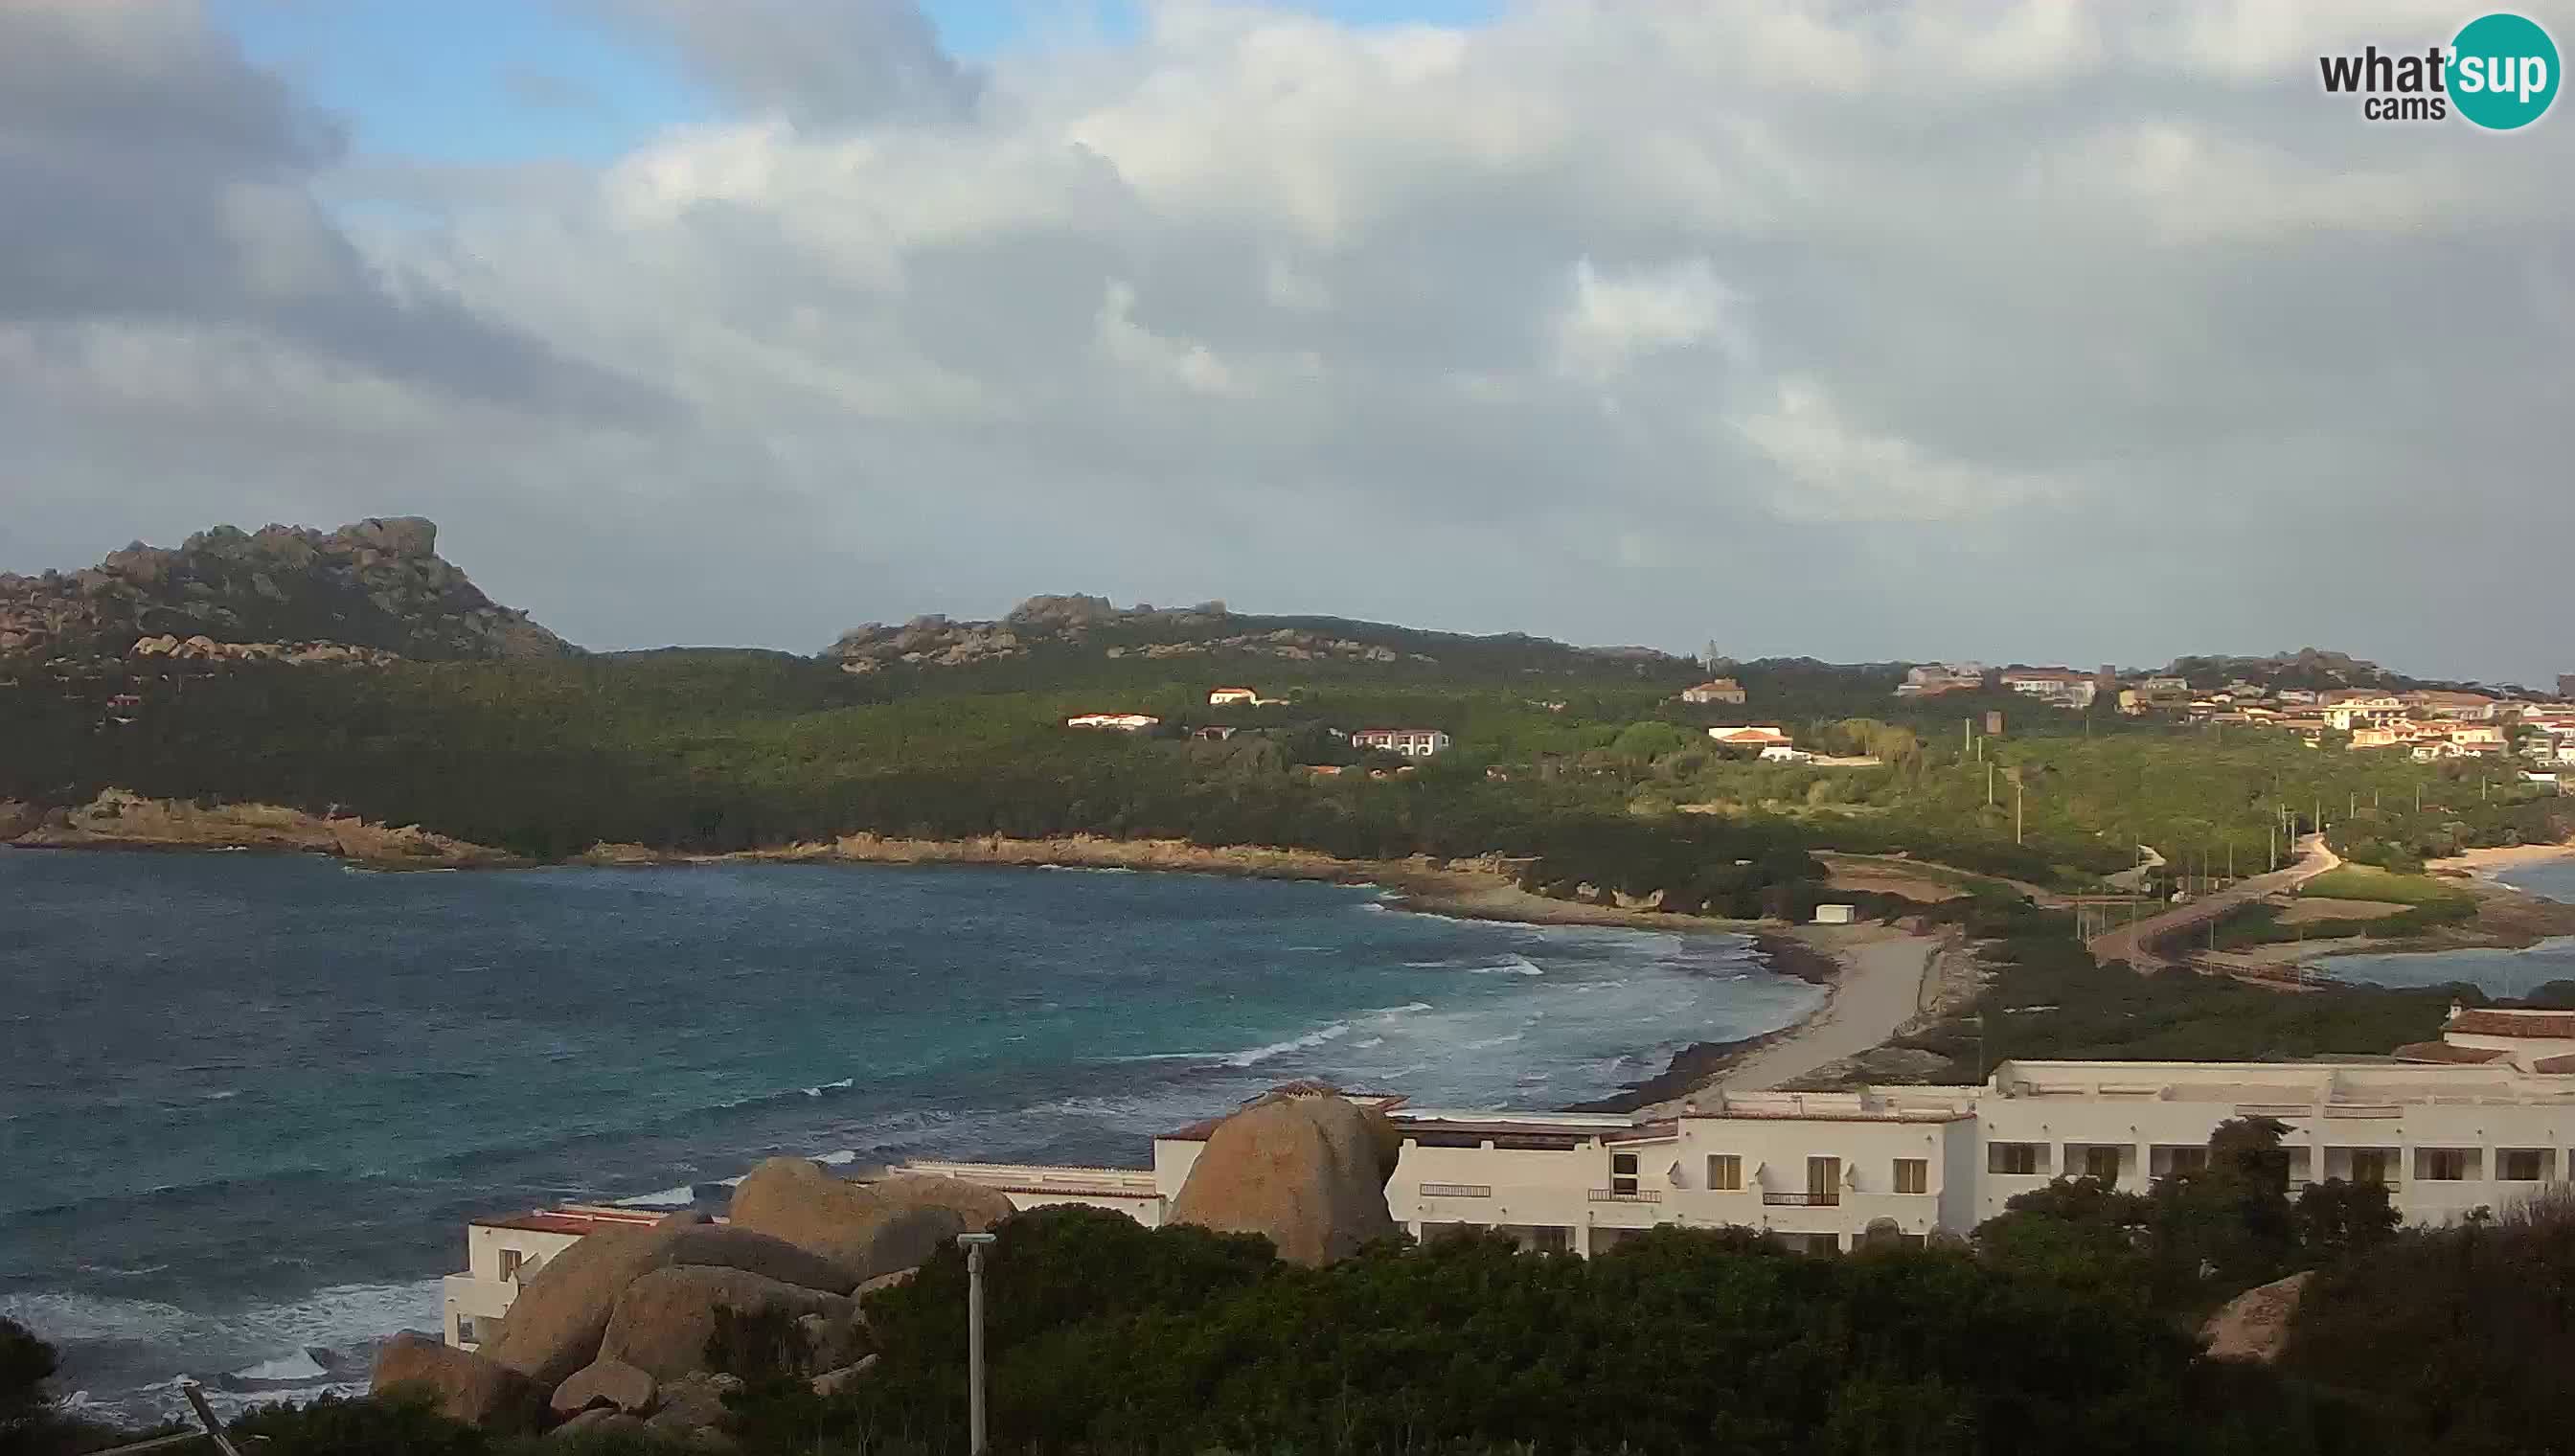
{"x": 2485, "y": 863}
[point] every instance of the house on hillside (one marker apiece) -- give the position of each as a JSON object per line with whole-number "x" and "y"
{"x": 1123, "y": 722}
{"x": 1410, "y": 742}
{"x": 2463, "y": 707}
{"x": 1758, "y": 736}
{"x": 2063, "y": 687}
{"x": 1933, "y": 679}
{"x": 1714, "y": 689}
{"x": 1783, "y": 754}
{"x": 1240, "y": 698}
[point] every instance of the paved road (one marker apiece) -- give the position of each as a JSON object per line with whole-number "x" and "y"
{"x": 2130, "y": 942}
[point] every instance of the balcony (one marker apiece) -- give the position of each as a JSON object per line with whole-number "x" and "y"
{"x": 1457, "y": 1190}
{"x": 1630, "y": 1195}
{"x": 1832, "y": 1199}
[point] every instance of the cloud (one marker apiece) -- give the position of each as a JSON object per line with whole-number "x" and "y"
{"x": 2020, "y": 331}
{"x": 817, "y": 62}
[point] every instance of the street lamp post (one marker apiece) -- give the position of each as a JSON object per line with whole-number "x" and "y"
{"x": 973, "y": 1244}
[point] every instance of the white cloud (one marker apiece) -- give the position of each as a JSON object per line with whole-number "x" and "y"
{"x": 1838, "y": 470}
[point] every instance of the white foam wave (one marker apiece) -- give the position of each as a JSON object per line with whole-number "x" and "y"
{"x": 300, "y": 1367}
{"x": 1306, "y": 1043}
{"x": 678, "y": 1196}
{"x": 1509, "y": 966}
{"x": 843, "y": 1085}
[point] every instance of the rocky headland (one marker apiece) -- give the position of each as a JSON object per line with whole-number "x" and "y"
{"x": 366, "y": 593}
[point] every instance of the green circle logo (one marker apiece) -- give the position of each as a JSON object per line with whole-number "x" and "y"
{"x": 2503, "y": 71}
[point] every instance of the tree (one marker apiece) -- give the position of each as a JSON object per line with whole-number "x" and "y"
{"x": 2336, "y": 1218}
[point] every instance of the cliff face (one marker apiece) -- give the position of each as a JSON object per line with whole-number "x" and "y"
{"x": 378, "y": 585}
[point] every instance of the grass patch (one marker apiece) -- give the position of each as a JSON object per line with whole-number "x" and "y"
{"x": 2365, "y": 882}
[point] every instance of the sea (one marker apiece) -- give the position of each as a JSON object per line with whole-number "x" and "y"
{"x": 2499, "y": 972}
{"x": 249, "y": 1101}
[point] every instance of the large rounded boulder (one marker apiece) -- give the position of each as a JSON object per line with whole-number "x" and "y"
{"x": 1307, "y": 1171}
{"x": 724, "y": 1246}
{"x": 461, "y": 1384}
{"x": 663, "y": 1320}
{"x": 853, "y": 1225}
{"x": 978, "y": 1206}
{"x": 554, "y": 1325}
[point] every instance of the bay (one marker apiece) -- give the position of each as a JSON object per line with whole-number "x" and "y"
{"x": 247, "y": 1102}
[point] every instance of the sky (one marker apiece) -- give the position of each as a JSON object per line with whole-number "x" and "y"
{"x": 2018, "y": 330}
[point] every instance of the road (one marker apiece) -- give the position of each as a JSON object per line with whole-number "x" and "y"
{"x": 2130, "y": 942}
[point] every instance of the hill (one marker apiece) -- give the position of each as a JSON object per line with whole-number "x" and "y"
{"x": 378, "y": 585}
{"x": 1070, "y": 631}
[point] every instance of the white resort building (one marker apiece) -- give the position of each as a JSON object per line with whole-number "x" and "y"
{"x": 2481, "y": 1118}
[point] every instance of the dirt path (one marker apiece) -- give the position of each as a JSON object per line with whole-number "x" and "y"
{"x": 2133, "y": 944}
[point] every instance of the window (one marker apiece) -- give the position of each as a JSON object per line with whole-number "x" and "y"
{"x": 2520, "y": 1165}
{"x": 2188, "y": 1161}
{"x": 2445, "y": 1164}
{"x": 1912, "y": 1175}
{"x": 1623, "y": 1173}
{"x": 511, "y": 1259}
{"x": 2011, "y": 1157}
{"x": 1552, "y": 1239}
{"x": 1726, "y": 1172}
{"x": 465, "y": 1332}
{"x": 2369, "y": 1165}
{"x": 2101, "y": 1163}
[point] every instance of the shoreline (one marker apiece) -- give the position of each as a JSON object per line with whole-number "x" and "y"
{"x": 1483, "y": 888}
{"x": 2507, "y": 917}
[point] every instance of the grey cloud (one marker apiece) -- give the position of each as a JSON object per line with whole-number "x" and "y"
{"x": 155, "y": 177}
{"x": 821, "y": 62}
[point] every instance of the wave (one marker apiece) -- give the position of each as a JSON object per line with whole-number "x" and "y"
{"x": 1509, "y": 966}
{"x": 843, "y": 1085}
{"x": 1311, "y": 1039}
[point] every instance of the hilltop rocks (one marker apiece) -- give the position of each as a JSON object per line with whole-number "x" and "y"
{"x": 2254, "y": 1325}
{"x": 465, "y": 1386}
{"x": 1307, "y": 1170}
{"x": 365, "y": 594}
{"x": 118, "y": 816}
{"x": 663, "y": 1320}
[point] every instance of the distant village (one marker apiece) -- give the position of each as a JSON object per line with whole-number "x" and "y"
{"x": 2426, "y": 724}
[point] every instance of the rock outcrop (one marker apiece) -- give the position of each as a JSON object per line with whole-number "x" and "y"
{"x": 463, "y": 1385}
{"x": 603, "y": 1382}
{"x": 694, "y": 1405}
{"x": 2254, "y": 1325}
{"x": 284, "y": 592}
{"x": 976, "y": 1207}
{"x": 555, "y": 1326}
{"x": 1306, "y": 1169}
{"x": 663, "y": 1320}
{"x": 854, "y": 1225}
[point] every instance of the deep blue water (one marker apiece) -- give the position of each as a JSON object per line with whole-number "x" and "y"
{"x": 247, "y": 1102}
{"x": 2502, "y": 972}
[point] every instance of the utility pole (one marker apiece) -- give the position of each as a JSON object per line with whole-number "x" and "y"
{"x": 973, "y": 1244}
{"x": 2019, "y": 795}
{"x": 1989, "y": 785}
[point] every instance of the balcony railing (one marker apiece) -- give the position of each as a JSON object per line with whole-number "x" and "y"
{"x": 1804, "y": 1200}
{"x": 1630, "y": 1195}
{"x": 1457, "y": 1190}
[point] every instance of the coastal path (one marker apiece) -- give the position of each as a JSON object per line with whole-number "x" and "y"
{"x": 2136, "y": 944}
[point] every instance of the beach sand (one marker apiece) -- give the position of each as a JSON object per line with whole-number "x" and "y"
{"x": 2483, "y": 864}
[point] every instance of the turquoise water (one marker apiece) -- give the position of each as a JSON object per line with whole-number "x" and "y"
{"x": 247, "y": 1102}
{"x": 2499, "y": 972}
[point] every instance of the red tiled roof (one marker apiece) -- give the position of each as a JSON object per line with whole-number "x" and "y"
{"x": 2445, "y": 1053}
{"x": 2486, "y": 1022}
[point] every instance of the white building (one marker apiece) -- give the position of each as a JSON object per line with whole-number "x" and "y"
{"x": 1123, "y": 722}
{"x": 1714, "y": 689}
{"x": 2479, "y": 1119}
{"x": 2063, "y": 687}
{"x": 499, "y": 1253}
{"x": 1410, "y": 742}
